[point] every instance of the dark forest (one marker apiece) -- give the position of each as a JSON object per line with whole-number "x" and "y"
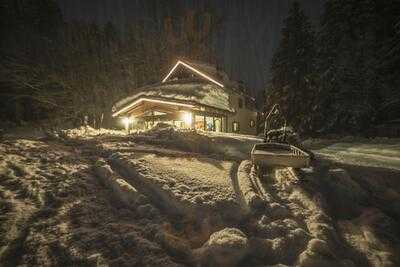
{"x": 200, "y": 133}
{"x": 340, "y": 75}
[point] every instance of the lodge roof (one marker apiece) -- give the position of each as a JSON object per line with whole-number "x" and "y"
{"x": 191, "y": 91}
{"x": 212, "y": 90}
{"x": 211, "y": 70}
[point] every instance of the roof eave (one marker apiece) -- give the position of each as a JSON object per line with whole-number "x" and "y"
{"x": 184, "y": 103}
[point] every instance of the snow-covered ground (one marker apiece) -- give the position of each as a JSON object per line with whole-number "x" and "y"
{"x": 54, "y": 212}
{"x": 191, "y": 185}
{"x": 364, "y": 154}
{"x": 181, "y": 198}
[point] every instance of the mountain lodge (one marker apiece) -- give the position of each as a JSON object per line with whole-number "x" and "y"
{"x": 192, "y": 95}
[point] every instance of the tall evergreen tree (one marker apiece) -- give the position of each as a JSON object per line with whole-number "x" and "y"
{"x": 293, "y": 69}
{"x": 355, "y": 80}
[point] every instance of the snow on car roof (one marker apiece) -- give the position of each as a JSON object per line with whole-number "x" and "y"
{"x": 202, "y": 93}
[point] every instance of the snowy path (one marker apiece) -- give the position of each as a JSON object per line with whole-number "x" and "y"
{"x": 362, "y": 154}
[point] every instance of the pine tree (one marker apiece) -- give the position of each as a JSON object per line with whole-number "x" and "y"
{"x": 293, "y": 69}
{"x": 354, "y": 81}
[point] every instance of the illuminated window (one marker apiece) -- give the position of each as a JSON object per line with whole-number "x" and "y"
{"x": 209, "y": 123}
{"x": 240, "y": 103}
{"x": 252, "y": 123}
{"x": 199, "y": 122}
{"x": 235, "y": 127}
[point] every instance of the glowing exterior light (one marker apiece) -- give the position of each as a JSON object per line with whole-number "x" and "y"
{"x": 171, "y": 71}
{"x": 187, "y": 118}
{"x": 150, "y": 100}
{"x": 127, "y": 121}
{"x": 192, "y": 69}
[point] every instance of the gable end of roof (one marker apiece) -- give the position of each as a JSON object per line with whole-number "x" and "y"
{"x": 194, "y": 70}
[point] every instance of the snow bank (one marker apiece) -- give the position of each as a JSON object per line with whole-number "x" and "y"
{"x": 121, "y": 190}
{"x": 249, "y": 198}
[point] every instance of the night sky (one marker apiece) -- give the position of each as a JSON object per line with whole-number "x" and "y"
{"x": 246, "y": 38}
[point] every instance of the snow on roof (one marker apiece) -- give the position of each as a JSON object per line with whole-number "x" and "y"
{"x": 211, "y": 73}
{"x": 210, "y": 70}
{"x": 195, "y": 92}
{"x": 201, "y": 69}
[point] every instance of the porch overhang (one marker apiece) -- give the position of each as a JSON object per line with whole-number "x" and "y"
{"x": 149, "y": 102}
{"x": 141, "y": 105}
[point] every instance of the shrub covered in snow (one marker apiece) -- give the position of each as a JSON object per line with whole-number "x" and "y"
{"x": 89, "y": 132}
